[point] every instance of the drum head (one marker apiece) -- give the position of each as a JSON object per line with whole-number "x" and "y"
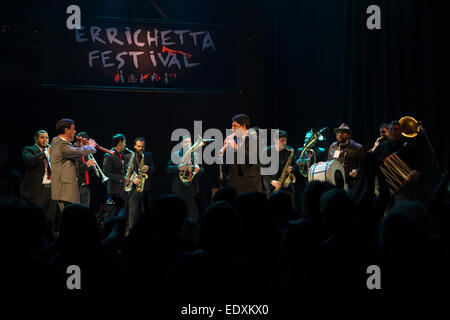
{"x": 331, "y": 171}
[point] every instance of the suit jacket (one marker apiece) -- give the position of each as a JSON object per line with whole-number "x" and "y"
{"x": 64, "y": 164}
{"x": 148, "y": 160}
{"x": 246, "y": 177}
{"x": 114, "y": 169}
{"x": 177, "y": 184}
{"x": 34, "y": 161}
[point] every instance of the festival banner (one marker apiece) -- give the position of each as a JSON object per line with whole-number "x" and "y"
{"x": 119, "y": 53}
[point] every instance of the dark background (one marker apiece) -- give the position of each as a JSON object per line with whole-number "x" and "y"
{"x": 298, "y": 64}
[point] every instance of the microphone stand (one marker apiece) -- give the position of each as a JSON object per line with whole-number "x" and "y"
{"x": 431, "y": 147}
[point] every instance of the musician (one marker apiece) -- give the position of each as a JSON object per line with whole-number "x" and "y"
{"x": 114, "y": 169}
{"x": 36, "y": 183}
{"x": 271, "y": 181}
{"x": 84, "y": 167}
{"x": 64, "y": 163}
{"x": 244, "y": 177}
{"x": 347, "y": 152}
{"x": 188, "y": 192}
{"x": 139, "y": 202}
{"x": 406, "y": 150}
{"x": 384, "y": 136}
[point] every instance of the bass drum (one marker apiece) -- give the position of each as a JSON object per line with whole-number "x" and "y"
{"x": 331, "y": 171}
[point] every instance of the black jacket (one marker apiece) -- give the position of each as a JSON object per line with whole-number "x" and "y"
{"x": 33, "y": 160}
{"x": 148, "y": 160}
{"x": 245, "y": 177}
{"x": 177, "y": 184}
{"x": 114, "y": 169}
{"x": 351, "y": 157}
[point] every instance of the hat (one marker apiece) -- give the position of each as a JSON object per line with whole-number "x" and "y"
{"x": 343, "y": 126}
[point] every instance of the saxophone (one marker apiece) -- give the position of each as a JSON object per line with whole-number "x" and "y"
{"x": 286, "y": 178}
{"x": 131, "y": 175}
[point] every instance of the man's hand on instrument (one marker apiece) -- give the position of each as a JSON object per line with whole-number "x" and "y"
{"x": 136, "y": 180}
{"x": 90, "y": 163}
{"x": 353, "y": 173}
{"x": 92, "y": 143}
{"x": 196, "y": 168}
{"x": 229, "y": 141}
{"x": 144, "y": 168}
{"x": 276, "y": 183}
{"x": 413, "y": 175}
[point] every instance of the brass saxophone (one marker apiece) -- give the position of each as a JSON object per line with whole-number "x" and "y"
{"x": 131, "y": 175}
{"x": 286, "y": 178}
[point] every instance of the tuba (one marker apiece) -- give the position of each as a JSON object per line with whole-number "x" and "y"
{"x": 308, "y": 156}
{"x": 132, "y": 174}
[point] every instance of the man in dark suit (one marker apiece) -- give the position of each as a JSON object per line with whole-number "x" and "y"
{"x": 114, "y": 169}
{"x": 187, "y": 191}
{"x": 244, "y": 172}
{"x": 139, "y": 202}
{"x": 36, "y": 183}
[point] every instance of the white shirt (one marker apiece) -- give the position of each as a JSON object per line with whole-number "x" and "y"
{"x": 45, "y": 180}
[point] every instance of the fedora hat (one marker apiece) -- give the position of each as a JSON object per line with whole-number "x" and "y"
{"x": 343, "y": 126}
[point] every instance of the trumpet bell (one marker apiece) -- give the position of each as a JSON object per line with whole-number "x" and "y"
{"x": 410, "y": 126}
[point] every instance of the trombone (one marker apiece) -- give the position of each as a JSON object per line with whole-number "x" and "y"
{"x": 98, "y": 172}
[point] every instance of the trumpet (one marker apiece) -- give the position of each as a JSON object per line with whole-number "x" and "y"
{"x": 98, "y": 171}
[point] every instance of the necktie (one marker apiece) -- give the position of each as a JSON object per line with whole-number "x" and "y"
{"x": 86, "y": 173}
{"x": 49, "y": 171}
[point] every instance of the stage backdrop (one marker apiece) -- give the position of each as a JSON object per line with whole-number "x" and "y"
{"x": 139, "y": 54}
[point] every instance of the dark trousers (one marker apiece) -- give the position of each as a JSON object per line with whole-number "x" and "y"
{"x": 43, "y": 199}
{"x": 188, "y": 193}
{"x": 135, "y": 206}
{"x": 113, "y": 205}
{"x": 85, "y": 195}
{"x": 147, "y": 201}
